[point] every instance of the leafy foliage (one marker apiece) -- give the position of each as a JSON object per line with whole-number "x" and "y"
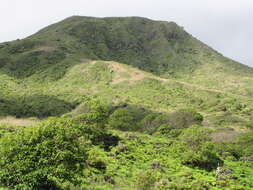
{"x": 150, "y": 132}
{"x": 35, "y": 106}
{"x": 51, "y": 154}
{"x": 42, "y": 157}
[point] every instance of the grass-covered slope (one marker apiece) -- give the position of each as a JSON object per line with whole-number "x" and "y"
{"x": 32, "y": 70}
{"x": 162, "y": 48}
{"x": 151, "y": 64}
{"x": 117, "y": 84}
{"x": 172, "y": 109}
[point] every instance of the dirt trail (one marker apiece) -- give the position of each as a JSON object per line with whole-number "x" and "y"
{"x": 9, "y": 120}
{"x": 209, "y": 89}
{"x": 136, "y": 75}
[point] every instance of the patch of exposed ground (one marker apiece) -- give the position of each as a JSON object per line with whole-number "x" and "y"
{"x": 225, "y": 136}
{"x": 18, "y": 122}
{"x": 228, "y": 135}
{"x": 120, "y": 71}
{"x": 125, "y": 73}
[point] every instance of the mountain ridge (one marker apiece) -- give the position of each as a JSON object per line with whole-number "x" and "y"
{"x": 159, "y": 47}
{"x": 123, "y": 103}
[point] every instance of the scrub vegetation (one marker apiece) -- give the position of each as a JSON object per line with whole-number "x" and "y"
{"x": 123, "y": 103}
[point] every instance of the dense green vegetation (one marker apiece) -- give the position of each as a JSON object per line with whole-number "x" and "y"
{"x": 85, "y": 152}
{"x": 123, "y": 103}
{"x": 162, "y": 48}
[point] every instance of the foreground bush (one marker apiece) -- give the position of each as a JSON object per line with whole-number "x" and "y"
{"x": 197, "y": 150}
{"x": 52, "y": 154}
{"x": 42, "y": 157}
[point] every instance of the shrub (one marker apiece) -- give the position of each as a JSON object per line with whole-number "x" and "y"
{"x": 122, "y": 119}
{"x": 97, "y": 159}
{"x": 35, "y": 106}
{"x": 246, "y": 142}
{"x": 52, "y": 154}
{"x": 185, "y": 118}
{"x": 42, "y": 157}
{"x": 147, "y": 180}
{"x": 172, "y": 124}
{"x": 92, "y": 108}
{"x": 168, "y": 131}
{"x": 195, "y": 136}
{"x": 228, "y": 150}
{"x": 204, "y": 157}
{"x": 7, "y": 129}
{"x": 197, "y": 148}
{"x": 147, "y": 124}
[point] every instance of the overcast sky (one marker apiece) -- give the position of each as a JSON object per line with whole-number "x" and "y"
{"x": 225, "y": 25}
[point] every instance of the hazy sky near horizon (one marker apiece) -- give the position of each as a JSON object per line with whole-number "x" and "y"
{"x": 225, "y": 25}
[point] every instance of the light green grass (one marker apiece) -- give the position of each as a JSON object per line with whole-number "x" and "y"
{"x": 136, "y": 61}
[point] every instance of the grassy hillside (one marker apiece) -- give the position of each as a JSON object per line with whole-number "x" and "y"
{"x": 162, "y": 48}
{"x": 117, "y": 83}
{"x": 173, "y": 109}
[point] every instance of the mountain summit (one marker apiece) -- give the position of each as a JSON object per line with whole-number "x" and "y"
{"x": 123, "y": 103}
{"x": 155, "y": 46}
{"x": 162, "y": 48}
{"x": 158, "y": 48}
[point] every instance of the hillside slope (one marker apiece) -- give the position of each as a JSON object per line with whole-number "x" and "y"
{"x": 41, "y": 75}
{"x": 117, "y": 83}
{"x": 32, "y": 69}
{"x": 142, "y": 159}
{"x": 162, "y": 48}
{"x": 137, "y": 105}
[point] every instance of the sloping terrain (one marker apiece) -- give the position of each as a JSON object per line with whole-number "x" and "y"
{"x": 168, "y": 109}
{"x": 115, "y": 82}
{"x": 162, "y": 48}
{"x": 229, "y": 114}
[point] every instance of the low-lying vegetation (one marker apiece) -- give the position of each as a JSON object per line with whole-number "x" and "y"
{"x": 124, "y": 104}
{"x": 104, "y": 147}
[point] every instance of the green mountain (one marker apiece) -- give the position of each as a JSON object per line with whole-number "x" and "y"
{"x": 47, "y": 68}
{"x": 162, "y": 91}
